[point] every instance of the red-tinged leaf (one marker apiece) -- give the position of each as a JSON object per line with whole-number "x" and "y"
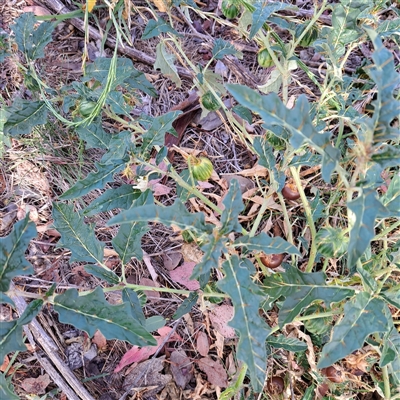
{"x": 219, "y": 317}
{"x": 136, "y": 354}
{"x": 214, "y": 370}
{"x": 202, "y": 344}
{"x": 36, "y": 385}
{"x": 181, "y": 368}
{"x": 158, "y": 188}
{"x": 182, "y": 275}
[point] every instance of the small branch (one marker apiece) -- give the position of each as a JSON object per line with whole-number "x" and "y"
{"x": 38, "y": 333}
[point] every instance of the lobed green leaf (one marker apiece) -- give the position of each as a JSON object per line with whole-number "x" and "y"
{"x": 95, "y": 180}
{"x": 365, "y": 209}
{"x": 266, "y": 244}
{"x": 76, "y": 235}
{"x": 297, "y": 121}
{"x": 30, "y": 40}
{"x": 12, "y": 250}
{"x": 253, "y": 331}
{"x": 92, "y": 312}
{"x": 11, "y": 331}
{"x": 363, "y": 315}
{"x": 24, "y": 115}
{"x": 301, "y": 289}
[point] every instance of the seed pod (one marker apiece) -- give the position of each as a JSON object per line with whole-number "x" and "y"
{"x": 264, "y": 58}
{"x": 290, "y": 192}
{"x": 209, "y": 102}
{"x": 272, "y": 260}
{"x": 229, "y": 9}
{"x": 309, "y": 37}
{"x": 333, "y": 374}
{"x": 276, "y": 385}
{"x": 86, "y": 107}
{"x": 200, "y": 167}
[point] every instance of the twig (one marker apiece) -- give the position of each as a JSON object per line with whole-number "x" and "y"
{"x": 59, "y": 8}
{"x": 35, "y": 330}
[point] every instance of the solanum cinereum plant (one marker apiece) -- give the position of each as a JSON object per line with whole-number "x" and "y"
{"x": 359, "y": 303}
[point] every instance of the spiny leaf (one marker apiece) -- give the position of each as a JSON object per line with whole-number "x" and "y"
{"x": 137, "y": 80}
{"x": 94, "y": 135}
{"x": 76, "y": 235}
{"x": 363, "y": 315}
{"x": 266, "y": 244}
{"x": 103, "y": 274}
{"x": 212, "y": 252}
{"x": 263, "y": 9}
{"x": 121, "y": 197}
{"x": 155, "y": 134}
{"x": 223, "y": 48}
{"x": 391, "y": 199}
{"x": 12, "y": 249}
{"x": 154, "y": 28}
{"x": 5, "y": 391}
{"x": 95, "y": 180}
{"x": 297, "y": 121}
{"x": 267, "y": 160}
{"x": 300, "y": 289}
{"x": 344, "y": 28}
{"x": 286, "y": 343}
{"x": 253, "y": 331}
{"x": 386, "y": 107}
{"x": 32, "y": 41}
{"x": 233, "y": 207}
{"x": 117, "y": 103}
{"x": 92, "y": 312}
{"x": 131, "y": 299}
{"x": 11, "y": 331}
{"x": 392, "y": 341}
{"x": 165, "y": 62}
{"x": 364, "y": 210}
{"x": 118, "y": 148}
{"x": 100, "y": 70}
{"x": 24, "y": 115}
{"x": 127, "y": 243}
{"x": 177, "y": 215}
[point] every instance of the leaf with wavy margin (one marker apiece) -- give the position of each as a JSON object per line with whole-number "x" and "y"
{"x": 92, "y": 312}
{"x": 363, "y": 315}
{"x": 76, "y": 235}
{"x": 253, "y": 331}
{"x": 12, "y": 250}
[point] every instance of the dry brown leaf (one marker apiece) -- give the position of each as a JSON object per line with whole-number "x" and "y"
{"x": 37, "y": 10}
{"x": 99, "y": 340}
{"x": 36, "y": 385}
{"x": 27, "y": 208}
{"x": 181, "y": 368}
{"x": 220, "y": 316}
{"x": 191, "y": 252}
{"x": 149, "y": 293}
{"x": 214, "y": 370}
{"x": 202, "y": 344}
{"x": 182, "y": 275}
{"x": 149, "y": 265}
{"x": 257, "y": 170}
{"x": 171, "y": 260}
{"x": 219, "y": 344}
{"x": 110, "y": 253}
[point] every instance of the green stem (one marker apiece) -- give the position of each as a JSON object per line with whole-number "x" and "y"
{"x": 386, "y": 383}
{"x": 289, "y": 237}
{"x": 313, "y": 251}
{"x": 154, "y": 289}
